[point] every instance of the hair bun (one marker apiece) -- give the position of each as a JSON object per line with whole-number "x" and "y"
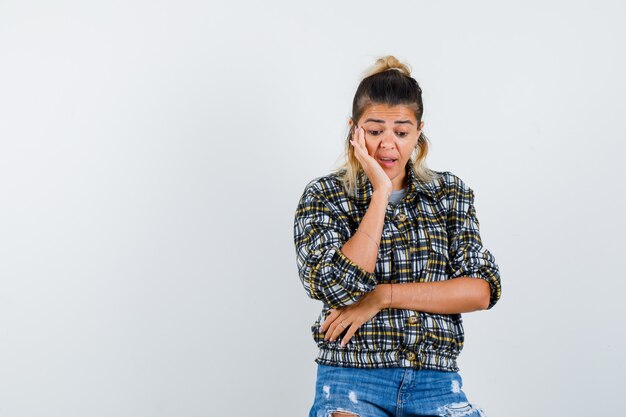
{"x": 386, "y": 63}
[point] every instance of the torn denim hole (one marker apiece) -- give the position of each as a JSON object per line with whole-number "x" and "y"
{"x": 352, "y": 396}
{"x": 456, "y": 387}
{"x": 461, "y": 410}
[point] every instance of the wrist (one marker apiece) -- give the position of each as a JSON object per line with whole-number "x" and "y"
{"x": 384, "y": 295}
{"x": 383, "y": 195}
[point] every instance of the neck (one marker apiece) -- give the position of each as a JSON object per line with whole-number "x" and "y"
{"x": 398, "y": 182}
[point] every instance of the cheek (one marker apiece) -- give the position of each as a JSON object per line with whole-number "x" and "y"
{"x": 411, "y": 147}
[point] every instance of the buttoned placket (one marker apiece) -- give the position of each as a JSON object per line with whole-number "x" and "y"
{"x": 396, "y": 218}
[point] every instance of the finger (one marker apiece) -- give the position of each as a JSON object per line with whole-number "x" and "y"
{"x": 325, "y": 327}
{"x": 330, "y": 329}
{"x": 359, "y": 143}
{"x": 328, "y": 334}
{"x": 358, "y": 152}
{"x": 359, "y": 137}
{"x": 354, "y": 140}
{"x": 337, "y": 329}
{"x": 351, "y": 331}
{"x": 329, "y": 319}
{"x": 353, "y": 137}
{"x": 362, "y": 137}
{"x": 333, "y": 332}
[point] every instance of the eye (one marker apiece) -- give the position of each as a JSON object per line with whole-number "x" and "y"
{"x": 374, "y": 132}
{"x": 402, "y": 134}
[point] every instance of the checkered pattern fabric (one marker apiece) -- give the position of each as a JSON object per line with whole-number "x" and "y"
{"x": 432, "y": 234}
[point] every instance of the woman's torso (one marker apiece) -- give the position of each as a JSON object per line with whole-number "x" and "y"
{"x": 413, "y": 248}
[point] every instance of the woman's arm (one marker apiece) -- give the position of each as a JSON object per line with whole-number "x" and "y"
{"x": 334, "y": 264}
{"x": 457, "y": 295}
{"x": 362, "y": 247}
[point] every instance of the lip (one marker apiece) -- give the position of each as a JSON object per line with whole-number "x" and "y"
{"x": 387, "y": 163}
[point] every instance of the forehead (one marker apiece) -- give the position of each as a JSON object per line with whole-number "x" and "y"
{"x": 389, "y": 113}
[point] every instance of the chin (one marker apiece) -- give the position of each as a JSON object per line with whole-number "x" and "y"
{"x": 392, "y": 174}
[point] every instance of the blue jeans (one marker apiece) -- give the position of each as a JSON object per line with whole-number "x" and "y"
{"x": 390, "y": 392}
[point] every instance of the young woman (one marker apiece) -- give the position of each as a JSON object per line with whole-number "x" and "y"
{"x": 393, "y": 250}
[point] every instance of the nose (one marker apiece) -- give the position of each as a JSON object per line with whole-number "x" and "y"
{"x": 387, "y": 141}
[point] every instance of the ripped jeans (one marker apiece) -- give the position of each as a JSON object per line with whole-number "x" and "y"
{"x": 390, "y": 392}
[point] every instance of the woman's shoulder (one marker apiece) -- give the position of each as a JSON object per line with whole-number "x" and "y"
{"x": 325, "y": 183}
{"x": 448, "y": 181}
{"x": 454, "y": 190}
{"x": 324, "y": 186}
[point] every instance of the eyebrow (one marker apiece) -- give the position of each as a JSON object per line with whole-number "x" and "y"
{"x": 383, "y": 122}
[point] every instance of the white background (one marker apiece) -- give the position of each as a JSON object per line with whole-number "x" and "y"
{"x": 152, "y": 154}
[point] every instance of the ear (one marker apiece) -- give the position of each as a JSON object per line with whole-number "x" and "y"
{"x": 350, "y": 122}
{"x": 421, "y": 126}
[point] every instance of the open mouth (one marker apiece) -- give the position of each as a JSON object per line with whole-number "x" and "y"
{"x": 387, "y": 162}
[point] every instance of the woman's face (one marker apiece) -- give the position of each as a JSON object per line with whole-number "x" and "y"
{"x": 391, "y": 134}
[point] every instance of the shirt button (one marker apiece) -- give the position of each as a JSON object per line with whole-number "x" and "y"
{"x": 401, "y": 217}
{"x": 413, "y": 319}
{"x": 410, "y": 356}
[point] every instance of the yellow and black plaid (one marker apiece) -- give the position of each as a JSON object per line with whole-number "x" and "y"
{"x": 432, "y": 234}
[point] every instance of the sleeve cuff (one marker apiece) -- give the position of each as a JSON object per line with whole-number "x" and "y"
{"x": 354, "y": 278}
{"x": 494, "y": 286}
{"x": 488, "y": 271}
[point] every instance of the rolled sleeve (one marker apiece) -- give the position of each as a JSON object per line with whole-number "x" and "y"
{"x": 468, "y": 257}
{"x": 325, "y": 272}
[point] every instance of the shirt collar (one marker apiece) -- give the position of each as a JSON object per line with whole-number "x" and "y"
{"x": 415, "y": 185}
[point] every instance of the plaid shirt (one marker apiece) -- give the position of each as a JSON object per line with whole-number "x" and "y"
{"x": 432, "y": 234}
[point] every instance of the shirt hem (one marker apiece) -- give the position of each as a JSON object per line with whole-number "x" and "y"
{"x": 388, "y": 359}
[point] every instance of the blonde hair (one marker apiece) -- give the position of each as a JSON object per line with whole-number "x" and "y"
{"x": 386, "y": 63}
{"x": 389, "y": 82}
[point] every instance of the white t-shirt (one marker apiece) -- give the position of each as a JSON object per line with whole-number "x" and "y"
{"x": 396, "y": 196}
